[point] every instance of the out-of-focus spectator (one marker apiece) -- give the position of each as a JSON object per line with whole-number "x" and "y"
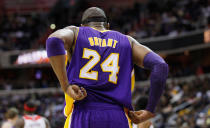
{"x": 30, "y": 119}
{"x": 11, "y": 118}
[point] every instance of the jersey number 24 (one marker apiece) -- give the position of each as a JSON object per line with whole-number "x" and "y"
{"x": 110, "y": 64}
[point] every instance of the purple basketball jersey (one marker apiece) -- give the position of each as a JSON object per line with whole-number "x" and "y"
{"x": 102, "y": 64}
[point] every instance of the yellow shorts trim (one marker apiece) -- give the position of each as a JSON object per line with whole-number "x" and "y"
{"x": 68, "y": 121}
{"x": 126, "y": 114}
{"x": 69, "y": 105}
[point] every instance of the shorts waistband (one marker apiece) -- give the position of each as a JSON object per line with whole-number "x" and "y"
{"x": 97, "y": 106}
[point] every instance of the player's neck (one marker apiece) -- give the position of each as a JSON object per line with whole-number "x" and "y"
{"x": 100, "y": 28}
{"x": 97, "y": 25}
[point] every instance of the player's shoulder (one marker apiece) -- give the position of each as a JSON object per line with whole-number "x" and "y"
{"x": 71, "y": 27}
{"x": 66, "y": 33}
{"x": 117, "y": 33}
{"x": 39, "y": 117}
{"x": 130, "y": 37}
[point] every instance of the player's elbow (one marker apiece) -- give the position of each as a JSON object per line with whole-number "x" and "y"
{"x": 160, "y": 71}
{"x": 164, "y": 68}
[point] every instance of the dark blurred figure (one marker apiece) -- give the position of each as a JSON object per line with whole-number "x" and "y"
{"x": 208, "y": 22}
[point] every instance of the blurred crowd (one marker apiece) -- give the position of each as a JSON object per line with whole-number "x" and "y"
{"x": 21, "y": 31}
{"x": 184, "y": 104}
{"x": 156, "y": 18}
{"x": 165, "y": 17}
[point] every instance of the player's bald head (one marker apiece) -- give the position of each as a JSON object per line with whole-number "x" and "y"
{"x": 93, "y": 13}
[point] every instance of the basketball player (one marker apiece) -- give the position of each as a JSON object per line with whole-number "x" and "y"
{"x": 31, "y": 120}
{"x": 11, "y": 116}
{"x": 98, "y": 75}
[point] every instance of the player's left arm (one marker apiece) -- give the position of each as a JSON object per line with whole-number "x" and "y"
{"x": 146, "y": 58}
{"x": 56, "y": 44}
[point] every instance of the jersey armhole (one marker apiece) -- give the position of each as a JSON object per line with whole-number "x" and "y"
{"x": 75, "y": 36}
{"x": 130, "y": 41}
{"x": 71, "y": 50}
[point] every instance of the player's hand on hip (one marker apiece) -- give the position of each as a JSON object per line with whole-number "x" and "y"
{"x": 140, "y": 116}
{"x": 76, "y": 92}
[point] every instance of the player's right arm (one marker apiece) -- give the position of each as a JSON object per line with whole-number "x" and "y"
{"x": 146, "y": 58}
{"x": 56, "y": 44}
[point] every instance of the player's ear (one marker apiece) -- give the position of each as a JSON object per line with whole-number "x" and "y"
{"x": 107, "y": 25}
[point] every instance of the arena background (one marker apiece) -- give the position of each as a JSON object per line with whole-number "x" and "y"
{"x": 179, "y": 30}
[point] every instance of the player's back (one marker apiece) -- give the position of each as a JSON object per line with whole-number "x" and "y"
{"x": 102, "y": 64}
{"x": 34, "y": 121}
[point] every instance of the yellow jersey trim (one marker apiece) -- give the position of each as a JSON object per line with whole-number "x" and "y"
{"x": 132, "y": 80}
{"x": 75, "y": 41}
{"x": 99, "y": 30}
